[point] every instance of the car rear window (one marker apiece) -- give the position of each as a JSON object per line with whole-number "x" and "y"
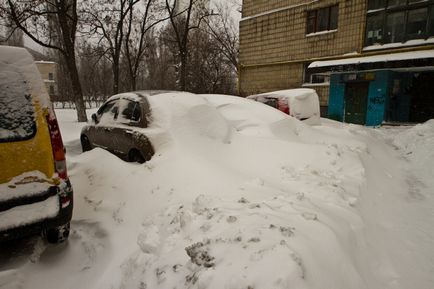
{"x": 17, "y": 116}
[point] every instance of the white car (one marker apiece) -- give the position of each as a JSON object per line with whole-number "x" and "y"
{"x": 301, "y": 103}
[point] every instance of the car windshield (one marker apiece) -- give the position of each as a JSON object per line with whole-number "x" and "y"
{"x": 17, "y": 120}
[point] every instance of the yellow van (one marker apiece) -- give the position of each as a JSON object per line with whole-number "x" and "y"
{"x": 35, "y": 192}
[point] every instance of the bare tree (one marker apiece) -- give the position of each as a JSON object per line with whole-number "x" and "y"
{"x": 31, "y": 17}
{"x": 141, "y": 22}
{"x": 106, "y": 20}
{"x": 224, "y": 30}
{"x": 182, "y": 24}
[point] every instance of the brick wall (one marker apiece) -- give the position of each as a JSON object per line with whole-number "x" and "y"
{"x": 254, "y": 7}
{"x": 268, "y": 78}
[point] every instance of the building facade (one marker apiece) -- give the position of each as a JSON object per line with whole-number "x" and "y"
{"x": 48, "y": 71}
{"x": 331, "y": 43}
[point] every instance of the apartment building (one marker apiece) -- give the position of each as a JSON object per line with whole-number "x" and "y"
{"x": 370, "y": 61}
{"x": 48, "y": 71}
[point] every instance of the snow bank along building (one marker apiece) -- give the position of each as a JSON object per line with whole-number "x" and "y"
{"x": 371, "y": 61}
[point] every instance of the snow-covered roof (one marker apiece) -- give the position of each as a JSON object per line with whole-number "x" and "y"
{"x": 375, "y": 58}
{"x": 136, "y": 95}
{"x": 297, "y": 93}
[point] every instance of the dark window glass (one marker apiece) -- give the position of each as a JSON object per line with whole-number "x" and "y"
{"x": 50, "y": 76}
{"x": 311, "y": 21}
{"x": 431, "y": 22}
{"x": 322, "y": 20}
{"x": 334, "y": 17}
{"x": 17, "y": 120}
{"x": 136, "y": 113}
{"x": 374, "y": 29}
{"x": 376, "y": 4}
{"x": 131, "y": 111}
{"x": 416, "y": 23}
{"x": 394, "y": 3}
{"x": 395, "y": 24}
{"x": 271, "y": 102}
{"x": 106, "y": 107}
{"x": 51, "y": 89}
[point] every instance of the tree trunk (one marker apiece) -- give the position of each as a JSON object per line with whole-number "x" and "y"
{"x": 133, "y": 83}
{"x": 183, "y": 72}
{"x": 76, "y": 88}
{"x": 115, "y": 77}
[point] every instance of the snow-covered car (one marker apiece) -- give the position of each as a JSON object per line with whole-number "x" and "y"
{"x": 301, "y": 103}
{"x": 116, "y": 127}
{"x": 35, "y": 192}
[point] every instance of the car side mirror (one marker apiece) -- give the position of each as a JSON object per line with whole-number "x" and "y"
{"x": 95, "y": 118}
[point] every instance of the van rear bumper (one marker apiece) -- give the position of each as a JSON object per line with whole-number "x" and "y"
{"x": 34, "y": 228}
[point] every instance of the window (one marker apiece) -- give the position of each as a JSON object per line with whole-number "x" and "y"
{"x": 394, "y": 3}
{"x": 51, "y": 89}
{"x": 50, "y": 76}
{"x": 374, "y": 29}
{"x": 130, "y": 110}
{"x": 395, "y": 25}
{"x": 323, "y": 16}
{"x": 17, "y": 115}
{"x": 394, "y": 21}
{"x": 106, "y": 107}
{"x": 376, "y": 4}
{"x": 323, "y": 19}
{"x": 108, "y": 112}
{"x": 320, "y": 78}
{"x": 416, "y": 23}
{"x": 431, "y": 22}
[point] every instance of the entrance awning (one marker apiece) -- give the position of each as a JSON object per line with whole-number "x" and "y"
{"x": 375, "y": 58}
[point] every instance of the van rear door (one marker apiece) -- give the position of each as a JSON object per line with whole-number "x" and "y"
{"x": 25, "y": 144}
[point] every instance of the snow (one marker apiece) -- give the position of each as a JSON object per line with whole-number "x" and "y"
{"x": 321, "y": 33}
{"x": 28, "y": 214}
{"x": 27, "y": 184}
{"x": 375, "y": 58}
{"x": 240, "y": 195}
{"x": 303, "y": 103}
{"x": 399, "y": 44}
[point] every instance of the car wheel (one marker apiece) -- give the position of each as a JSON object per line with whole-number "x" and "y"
{"x": 135, "y": 156}
{"x": 85, "y": 143}
{"x": 57, "y": 235}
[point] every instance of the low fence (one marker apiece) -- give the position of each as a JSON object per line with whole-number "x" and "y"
{"x": 71, "y": 104}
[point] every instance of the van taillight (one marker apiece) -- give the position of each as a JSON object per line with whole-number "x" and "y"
{"x": 57, "y": 145}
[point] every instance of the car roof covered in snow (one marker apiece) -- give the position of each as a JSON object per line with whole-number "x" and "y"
{"x": 137, "y": 95}
{"x": 297, "y": 93}
{"x": 16, "y": 62}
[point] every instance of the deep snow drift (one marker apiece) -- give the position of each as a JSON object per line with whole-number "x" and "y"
{"x": 239, "y": 195}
